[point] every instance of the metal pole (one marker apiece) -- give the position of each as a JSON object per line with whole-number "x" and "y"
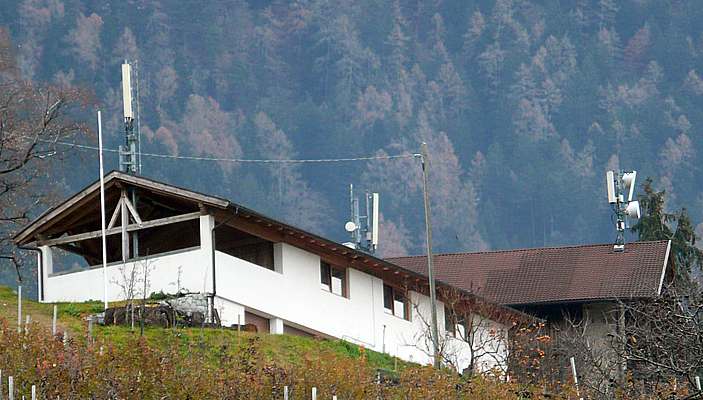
{"x": 53, "y": 322}
{"x": 19, "y": 309}
{"x": 102, "y": 207}
{"x": 576, "y": 379}
{"x": 430, "y": 273}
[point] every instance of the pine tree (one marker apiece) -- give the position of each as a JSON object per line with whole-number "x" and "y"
{"x": 397, "y": 40}
{"x": 657, "y": 224}
{"x": 126, "y": 47}
{"x": 491, "y": 61}
{"x": 294, "y": 200}
{"x": 608, "y": 9}
{"x": 85, "y": 39}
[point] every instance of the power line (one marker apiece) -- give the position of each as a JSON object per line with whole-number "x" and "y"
{"x": 244, "y": 160}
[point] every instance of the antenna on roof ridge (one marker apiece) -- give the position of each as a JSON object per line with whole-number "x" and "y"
{"x": 618, "y": 184}
{"x": 129, "y": 161}
{"x": 363, "y": 228}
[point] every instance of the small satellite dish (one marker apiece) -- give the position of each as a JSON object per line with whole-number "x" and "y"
{"x": 350, "y": 226}
{"x": 633, "y": 210}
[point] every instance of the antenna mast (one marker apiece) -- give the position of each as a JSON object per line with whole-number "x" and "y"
{"x": 619, "y": 185}
{"x": 129, "y": 161}
{"x": 363, "y": 228}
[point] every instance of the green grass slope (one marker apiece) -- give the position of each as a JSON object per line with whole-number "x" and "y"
{"x": 280, "y": 348}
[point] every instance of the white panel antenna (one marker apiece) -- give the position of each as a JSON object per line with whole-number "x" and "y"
{"x": 127, "y": 91}
{"x": 628, "y": 179}
{"x": 633, "y": 210}
{"x": 610, "y": 181}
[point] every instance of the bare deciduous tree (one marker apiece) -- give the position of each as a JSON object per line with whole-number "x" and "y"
{"x": 476, "y": 334}
{"x": 33, "y": 119}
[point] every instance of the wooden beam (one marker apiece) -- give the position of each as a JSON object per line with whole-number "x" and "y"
{"x": 246, "y": 226}
{"x": 115, "y": 213}
{"x": 133, "y": 227}
{"x": 124, "y": 215}
{"x": 133, "y": 211}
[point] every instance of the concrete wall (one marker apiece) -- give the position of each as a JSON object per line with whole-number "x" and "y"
{"x": 289, "y": 295}
{"x": 163, "y": 275}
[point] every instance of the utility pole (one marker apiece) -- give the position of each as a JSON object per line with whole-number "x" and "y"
{"x": 424, "y": 158}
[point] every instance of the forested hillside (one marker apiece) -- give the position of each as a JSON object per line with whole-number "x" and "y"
{"x": 524, "y": 105}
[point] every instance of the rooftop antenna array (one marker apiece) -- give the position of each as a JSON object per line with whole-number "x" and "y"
{"x": 129, "y": 161}
{"x": 363, "y": 228}
{"x": 620, "y": 184}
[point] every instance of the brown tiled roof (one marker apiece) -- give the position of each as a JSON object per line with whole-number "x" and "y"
{"x": 552, "y": 275}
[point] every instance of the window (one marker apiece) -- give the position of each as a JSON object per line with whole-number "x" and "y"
{"x": 260, "y": 254}
{"x": 395, "y": 302}
{"x": 333, "y": 279}
{"x": 244, "y": 246}
{"x": 454, "y": 324}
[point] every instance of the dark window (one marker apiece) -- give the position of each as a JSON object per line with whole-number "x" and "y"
{"x": 259, "y": 253}
{"x": 388, "y": 299}
{"x": 333, "y": 279}
{"x": 244, "y": 246}
{"x": 455, "y": 325}
{"x": 395, "y": 302}
{"x": 449, "y": 322}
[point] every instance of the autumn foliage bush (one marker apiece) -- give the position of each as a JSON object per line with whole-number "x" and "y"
{"x": 139, "y": 370}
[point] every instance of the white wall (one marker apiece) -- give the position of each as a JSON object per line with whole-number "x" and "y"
{"x": 291, "y": 293}
{"x": 163, "y": 275}
{"x": 294, "y": 295}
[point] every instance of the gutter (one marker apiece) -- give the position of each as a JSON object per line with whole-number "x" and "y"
{"x": 213, "y": 259}
{"x": 40, "y": 269}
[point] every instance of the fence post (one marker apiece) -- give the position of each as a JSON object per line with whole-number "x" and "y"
{"x": 19, "y": 309}
{"x": 10, "y": 388}
{"x": 34, "y": 392}
{"x": 576, "y": 379}
{"x": 239, "y": 331}
{"x": 285, "y": 393}
{"x": 65, "y": 338}
{"x": 26, "y": 324}
{"x": 53, "y": 321}
{"x": 334, "y": 397}
{"x": 314, "y": 393}
{"x": 1, "y": 394}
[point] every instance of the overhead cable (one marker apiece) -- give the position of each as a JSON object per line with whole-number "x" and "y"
{"x": 244, "y": 160}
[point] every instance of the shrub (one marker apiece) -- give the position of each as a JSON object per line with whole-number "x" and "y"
{"x": 187, "y": 369}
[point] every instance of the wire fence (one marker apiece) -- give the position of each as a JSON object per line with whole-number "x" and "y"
{"x": 14, "y": 394}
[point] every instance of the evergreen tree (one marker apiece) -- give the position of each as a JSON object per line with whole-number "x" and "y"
{"x": 658, "y": 224}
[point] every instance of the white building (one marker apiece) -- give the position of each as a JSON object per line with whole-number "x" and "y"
{"x": 255, "y": 269}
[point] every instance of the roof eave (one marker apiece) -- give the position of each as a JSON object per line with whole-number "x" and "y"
{"x": 24, "y": 236}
